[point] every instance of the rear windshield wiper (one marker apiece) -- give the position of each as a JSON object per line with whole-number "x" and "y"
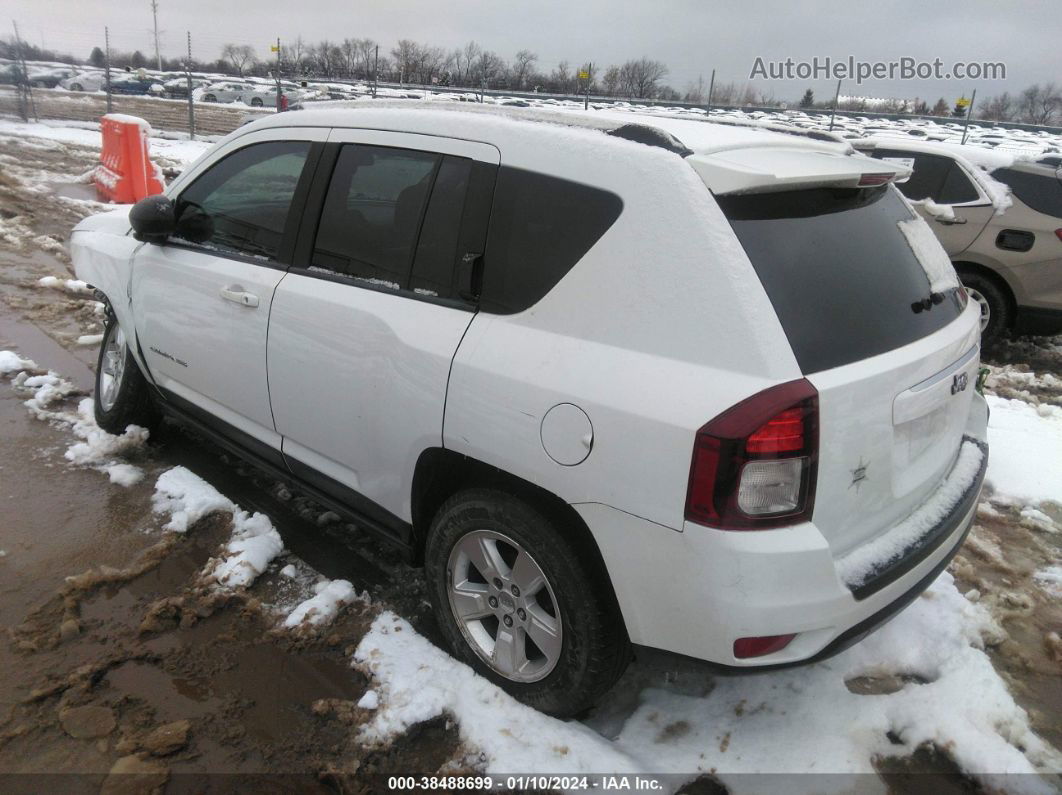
{"x": 925, "y": 304}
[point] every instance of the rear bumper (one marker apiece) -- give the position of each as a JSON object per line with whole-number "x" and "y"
{"x": 694, "y": 593}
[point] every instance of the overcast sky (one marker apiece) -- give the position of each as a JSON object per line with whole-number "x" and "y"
{"x": 691, "y": 36}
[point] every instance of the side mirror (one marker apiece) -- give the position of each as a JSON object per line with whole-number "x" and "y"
{"x": 153, "y": 219}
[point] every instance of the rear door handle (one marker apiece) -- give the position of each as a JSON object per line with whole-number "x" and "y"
{"x": 238, "y": 295}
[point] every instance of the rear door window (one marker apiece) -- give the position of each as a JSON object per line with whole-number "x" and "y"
{"x": 373, "y": 213}
{"x": 840, "y": 273}
{"x": 1042, "y": 192}
{"x": 433, "y": 266}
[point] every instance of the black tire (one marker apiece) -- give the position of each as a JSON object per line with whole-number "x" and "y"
{"x": 256, "y": 102}
{"x": 995, "y": 302}
{"x": 133, "y": 403}
{"x": 76, "y": 87}
{"x": 594, "y": 649}
{"x": 210, "y": 98}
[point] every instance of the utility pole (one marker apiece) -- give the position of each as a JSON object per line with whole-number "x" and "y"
{"x": 279, "y": 104}
{"x": 711, "y": 90}
{"x": 969, "y": 113}
{"x": 836, "y": 99}
{"x": 376, "y": 71}
{"x": 586, "y": 98}
{"x": 191, "y": 104}
{"x": 107, "y": 64}
{"x": 155, "y": 14}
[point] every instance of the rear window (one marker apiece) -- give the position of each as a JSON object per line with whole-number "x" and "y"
{"x": 540, "y": 227}
{"x": 838, "y": 270}
{"x": 1042, "y": 192}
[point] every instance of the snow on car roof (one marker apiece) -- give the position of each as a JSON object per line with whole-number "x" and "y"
{"x": 703, "y": 136}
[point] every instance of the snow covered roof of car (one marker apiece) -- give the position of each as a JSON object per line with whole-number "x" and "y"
{"x": 465, "y": 121}
{"x": 729, "y": 158}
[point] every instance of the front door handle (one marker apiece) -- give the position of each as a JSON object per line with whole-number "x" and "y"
{"x": 238, "y": 295}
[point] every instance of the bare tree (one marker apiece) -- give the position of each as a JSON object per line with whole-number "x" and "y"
{"x": 469, "y": 53}
{"x": 488, "y": 66}
{"x": 1040, "y": 104}
{"x": 349, "y": 51}
{"x": 639, "y": 78}
{"x": 241, "y": 56}
{"x": 697, "y": 92}
{"x": 522, "y": 66}
{"x": 367, "y": 49}
{"x": 406, "y": 55}
{"x": 611, "y": 80}
{"x": 999, "y": 108}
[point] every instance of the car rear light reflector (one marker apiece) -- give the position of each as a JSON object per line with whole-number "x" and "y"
{"x": 754, "y": 466}
{"x": 771, "y": 487}
{"x": 1058, "y": 234}
{"x": 868, "y": 180}
{"x": 761, "y": 646}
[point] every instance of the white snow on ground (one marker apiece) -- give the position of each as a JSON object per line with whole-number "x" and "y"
{"x": 96, "y": 449}
{"x": 753, "y": 723}
{"x": 1050, "y": 579}
{"x": 254, "y": 542}
{"x": 11, "y": 362}
{"x": 70, "y": 285}
{"x": 1025, "y": 461}
{"x": 859, "y": 564}
{"x": 329, "y": 597}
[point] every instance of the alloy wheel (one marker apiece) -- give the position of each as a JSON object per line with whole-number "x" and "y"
{"x": 112, "y": 368}
{"x": 504, "y": 606}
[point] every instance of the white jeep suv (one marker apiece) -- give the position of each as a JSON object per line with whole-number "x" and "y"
{"x": 702, "y": 388}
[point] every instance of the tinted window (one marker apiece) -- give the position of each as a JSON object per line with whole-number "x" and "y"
{"x": 241, "y": 203}
{"x": 540, "y": 227}
{"x": 433, "y": 267}
{"x": 838, "y": 270}
{"x": 957, "y": 188}
{"x": 1042, "y": 193}
{"x": 373, "y": 212}
{"x": 929, "y": 175}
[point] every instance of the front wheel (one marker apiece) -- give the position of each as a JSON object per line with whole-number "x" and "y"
{"x": 76, "y": 87}
{"x": 210, "y": 98}
{"x": 256, "y": 102}
{"x": 517, "y": 600}
{"x": 123, "y": 396}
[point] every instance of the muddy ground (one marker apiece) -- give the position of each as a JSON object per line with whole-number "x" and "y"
{"x": 115, "y": 659}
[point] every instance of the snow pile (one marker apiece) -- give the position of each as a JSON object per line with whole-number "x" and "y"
{"x": 254, "y": 544}
{"x": 96, "y": 449}
{"x": 11, "y": 362}
{"x": 860, "y": 564}
{"x": 416, "y": 681}
{"x": 329, "y": 597}
{"x": 930, "y": 254}
{"x": 944, "y": 212}
{"x": 802, "y": 720}
{"x": 70, "y": 285}
{"x": 1026, "y": 444}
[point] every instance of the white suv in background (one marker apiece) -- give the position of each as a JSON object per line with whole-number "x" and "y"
{"x": 696, "y": 387}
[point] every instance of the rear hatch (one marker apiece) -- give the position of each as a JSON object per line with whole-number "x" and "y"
{"x": 880, "y": 330}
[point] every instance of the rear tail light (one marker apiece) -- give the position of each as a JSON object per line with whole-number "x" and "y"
{"x": 754, "y": 465}
{"x": 868, "y": 180}
{"x": 1058, "y": 234}
{"x": 760, "y": 647}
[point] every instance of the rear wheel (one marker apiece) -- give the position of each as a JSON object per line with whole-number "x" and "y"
{"x": 996, "y": 313}
{"x": 76, "y": 87}
{"x": 516, "y": 601}
{"x": 123, "y": 396}
{"x": 210, "y": 98}
{"x": 256, "y": 102}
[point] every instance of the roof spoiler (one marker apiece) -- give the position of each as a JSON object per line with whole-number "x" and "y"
{"x": 771, "y": 169}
